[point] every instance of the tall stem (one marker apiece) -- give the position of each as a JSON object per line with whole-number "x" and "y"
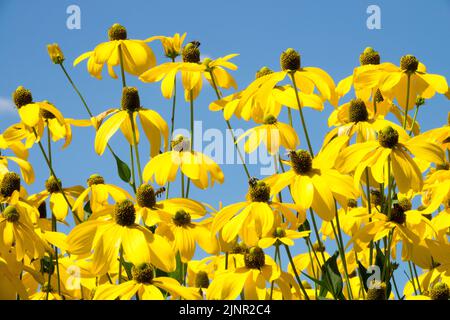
{"x": 136, "y": 148}
{"x": 408, "y": 84}
{"x": 54, "y": 228}
{"x": 120, "y": 263}
{"x": 172, "y": 120}
{"x": 213, "y": 80}
{"x": 369, "y": 208}
{"x": 291, "y": 261}
{"x": 191, "y": 105}
{"x": 53, "y": 174}
{"x": 414, "y": 120}
{"x": 302, "y": 118}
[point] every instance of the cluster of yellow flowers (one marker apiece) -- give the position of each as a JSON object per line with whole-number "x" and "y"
{"x": 360, "y": 186}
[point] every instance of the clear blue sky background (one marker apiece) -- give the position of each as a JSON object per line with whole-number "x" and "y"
{"x": 329, "y": 34}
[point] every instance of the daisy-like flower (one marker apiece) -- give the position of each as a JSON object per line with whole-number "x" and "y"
{"x": 97, "y": 193}
{"x": 391, "y": 147}
{"x": 256, "y": 110}
{"x": 307, "y": 79}
{"x": 273, "y": 133}
{"x": 184, "y": 233}
{"x": 16, "y": 230}
{"x": 146, "y": 286}
{"x": 403, "y": 83}
{"x": 440, "y": 136}
{"x": 17, "y": 147}
{"x": 314, "y": 183}
{"x": 256, "y": 215}
{"x": 357, "y": 118}
{"x": 172, "y": 45}
{"x": 33, "y": 114}
{"x": 200, "y": 273}
{"x": 281, "y": 235}
{"x": 58, "y": 204}
{"x": 397, "y": 222}
{"x": 107, "y": 234}
{"x": 153, "y": 124}
{"x": 199, "y": 168}
{"x": 308, "y": 261}
{"x": 26, "y": 170}
{"x": 136, "y": 55}
{"x": 192, "y": 71}
{"x": 259, "y": 268}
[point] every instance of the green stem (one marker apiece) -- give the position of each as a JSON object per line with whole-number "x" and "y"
{"x": 291, "y": 261}
{"x": 414, "y": 120}
{"x": 412, "y": 277}
{"x": 49, "y": 144}
{"x": 182, "y": 185}
{"x": 136, "y": 148}
{"x": 290, "y": 117}
{"x": 408, "y": 84}
{"x": 191, "y": 105}
{"x": 277, "y": 249}
{"x": 172, "y": 120}
{"x": 77, "y": 91}
{"x": 417, "y": 277}
{"x": 369, "y": 208}
{"x": 213, "y": 80}
{"x": 120, "y": 263}
{"x": 54, "y": 228}
{"x": 53, "y": 174}
{"x": 133, "y": 181}
{"x": 343, "y": 259}
{"x": 302, "y": 118}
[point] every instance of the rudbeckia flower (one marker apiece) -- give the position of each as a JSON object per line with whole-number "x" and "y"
{"x": 107, "y": 234}
{"x": 308, "y": 261}
{"x": 251, "y": 278}
{"x": 199, "y": 168}
{"x": 273, "y": 134}
{"x": 314, "y": 183}
{"x": 26, "y": 170}
{"x": 184, "y": 233}
{"x": 257, "y": 110}
{"x": 256, "y": 215}
{"x": 392, "y": 146}
{"x": 307, "y": 79}
{"x": 33, "y": 114}
{"x": 153, "y": 124}
{"x": 58, "y": 204}
{"x": 172, "y": 45}
{"x": 200, "y": 273}
{"x": 281, "y": 235}
{"x": 17, "y": 147}
{"x": 146, "y": 286}
{"x": 403, "y": 83}
{"x": 97, "y": 193}
{"x": 356, "y": 117}
{"x": 136, "y": 55}
{"x": 16, "y": 230}
{"x": 192, "y": 71}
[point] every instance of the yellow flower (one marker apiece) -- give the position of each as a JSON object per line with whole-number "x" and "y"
{"x": 172, "y": 45}
{"x": 393, "y": 81}
{"x": 152, "y": 123}
{"x": 55, "y": 53}
{"x": 307, "y": 79}
{"x": 136, "y": 54}
{"x": 17, "y": 147}
{"x": 58, "y": 204}
{"x": 254, "y": 217}
{"x": 359, "y": 118}
{"x": 281, "y": 235}
{"x": 97, "y": 193}
{"x": 258, "y": 110}
{"x": 145, "y": 286}
{"x": 199, "y": 168}
{"x": 16, "y": 230}
{"x": 308, "y": 261}
{"x": 32, "y": 113}
{"x": 351, "y": 220}
{"x": 392, "y": 146}
{"x": 107, "y": 234}
{"x": 251, "y": 278}
{"x": 314, "y": 183}
{"x": 183, "y": 233}
{"x": 273, "y": 134}
{"x": 26, "y": 170}
{"x": 191, "y": 70}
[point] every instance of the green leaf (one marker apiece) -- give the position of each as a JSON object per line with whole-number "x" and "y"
{"x": 123, "y": 169}
{"x": 364, "y": 275}
{"x": 179, "y": 271}
{"x": 332, "y": 278}
{"x": 87, "y": 209}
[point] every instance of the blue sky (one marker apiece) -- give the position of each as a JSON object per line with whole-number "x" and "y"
{"x": 328, "y": 34}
